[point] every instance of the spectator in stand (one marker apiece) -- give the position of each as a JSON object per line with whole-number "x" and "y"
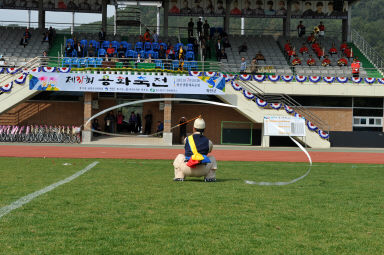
{"x": 91, "y": 51}
{"x": 2, "y": 61}
{"x": 348, "y": 53}
{"x": 198, "y": 9}
{"x": 149, "y": 59}
{"x": 27, "y": 34}
{"x": 102, "y": 35}
{"x": 121, "y": 51}
{"x": 185, "y": 9}
{"x": 138, "y": 60}
{"x": 311, "y": 61}
{"x": 223, "y": 55}
{"x": 71, "y": 5}
{"x": 333, "y": 50}
{"x": 243, "y": 47}
{"x": 300, "y": 29}
{"x": 281, "y": 9}
{"x": 243, "y": 66}
{"x": 199, "y": 28}
{"x": 206, "y": 29}
{"x": 320, "y": 52}
{"x": 292, "y": 53}
{"x": 181, "y": 57}
{"x": 319, "y": 9}
{"x": 311, "y": 38}
{"x": 155, "y": 36}
{"x": 259, "y": 8}
{"x": 343, "y": 46}
{"x": 79, "y": 50}
{"x": 287, "y": 46}
{"x": 260, "y": 57}
{"x": 326, "y": 61}
{"x": 342, "y": 62}
{"x": 308, "y": 9}
{"x": 304, "y": 49}
{"x": 190, "y": 28}
{"x": 225, "y": 42}
{"x": 45, "y": 38}
{"x": 24, "y": 41}
{"x": 147, "y": 36}
{"x": 321, "y": 29}
{"x": 84, "y": 5}
{"x": 247, "y": 11}
{"x": 162, "y": 52}
{"x": 235, "y": 10}
{"x": 120, "y": 118}
{"x": 209, "y": 9}
{"x": 220, "y": 8}
{"x": 132, "y": 122}
{"x": 355, "y": 68}
{"x": 68, "y": 50}
{"x": 253, "y": 67}
{"x": 218, "y": 47}
{"x": 52, "y": 34}
{"x": 296, "y": 61}
{"x": 111, "y": 51}
{"x": 44, "y": 59}
{"x": 269, "y": 10}
{"x": 171, "y": 53}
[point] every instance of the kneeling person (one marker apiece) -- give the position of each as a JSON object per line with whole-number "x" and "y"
{"x": 195, "y": 162}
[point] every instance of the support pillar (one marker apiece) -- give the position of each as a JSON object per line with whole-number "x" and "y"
{"x": 166, "y": 8}
{"x": 104, "y": 15}
{"x": 73, "y": 23}
{"x": 226, "y": 17}
{"x": 346, "y": 26}
{"x": 29, "y": 19}
{"x": 287, "y": 21}
{"x": 87, "y": 133}
{"x": 167, "y": 134}
{"x": 41, "y": 15}
{"x": 115, "y": 22}
{"x": 265, "y": 140}
{"x": 242, "y": 25}
{"x": 158, "y": 21}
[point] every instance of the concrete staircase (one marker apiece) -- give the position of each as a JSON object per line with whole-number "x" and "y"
{"x": 252, "y": 111}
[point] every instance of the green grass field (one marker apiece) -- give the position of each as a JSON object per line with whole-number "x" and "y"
{"x": 134, "y": 207}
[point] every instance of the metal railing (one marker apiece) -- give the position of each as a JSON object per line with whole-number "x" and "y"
{"x": 286, "y": 100}
{"x": 367, "y": 50}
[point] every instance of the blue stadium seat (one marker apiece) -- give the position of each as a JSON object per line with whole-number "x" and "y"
{"x": 126, "y": 45}
{"x": 138, "y": 46}
{"x": 115, "y": 44}
{"x": 190, "y": 46}
{"x": 101, "y": 52}
{"x": 69, "y": 41}
{"x": 149, "y": 52}
{"x": 74, "y": 54}
{"x": 155, "y": 46}
{"x": 147, "y": 46}
{"x": 84, "y": 43}
{"x": 178, "y": 46}
{"x": 155, "y": 55}
{"x": 95, "y": 43}
{"x": 175, "y": 64}
{"x": 105, "y": 44}
{"x": 129, "y": 53}
{"x": 142, "y": 54}
{"x": 190, "y": 56}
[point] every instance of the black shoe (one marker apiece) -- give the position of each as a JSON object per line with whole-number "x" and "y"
{"x": 210, "y": 180}
{"x": 178, "y": 179}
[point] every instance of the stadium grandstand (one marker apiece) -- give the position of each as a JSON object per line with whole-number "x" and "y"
{"x": 60, "y": 74}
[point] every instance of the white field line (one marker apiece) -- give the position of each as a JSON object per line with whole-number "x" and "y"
{"x": 28, "y": 198}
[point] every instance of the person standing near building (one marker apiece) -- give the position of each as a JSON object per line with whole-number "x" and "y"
{"x": 148, "y": 123}
{"x": 109, "y": 121}
{"x": 243, "y": 65}
{"x": 355, "y": 68}
{"x": 199, "y": 28}
{"x": 206, "y": 29}
{"x": 190, "y": 28}
{"x": 120, "y": 118}
{"x": 132, "y": 123}
{"x": 183, "y": 129}
{"x": 138, "y": 123}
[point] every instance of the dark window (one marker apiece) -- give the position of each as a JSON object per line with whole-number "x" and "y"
{"x": 368, "y": 102}
{"x": 324, "y": 101}
{"x": 58, "y": 96}
{"x": 368, "y": 112}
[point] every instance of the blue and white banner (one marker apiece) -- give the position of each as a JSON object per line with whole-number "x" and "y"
{"x": 287, "y": 78}
{"x": 49, "y": 69}
{"x": 288, "y": 109}
{"x": 356, "y": 79}
{"x": 7, "y": 87}
{"x": 245, "y": 77}
{"x": 259, "y": 78}
{"x": 369, "y": 80}
{"x": 210, "y": 74}
{"x": 276, "y": 106}
{"x": 194, "y": 73}
{"x": 21, "y": 79}
{"x": 64, "y": 69}
{"x": 329, "y": 79}
{"x": 314, "y": 79}
{"x": 248, "y": 95}
{"x": 148, "y": 84}
{"x": 1, "y": 69}
{"x": 236, "y": 86}
{"x": 342, "y": 79}
{"x": 261, "y": 102}
{"x": 300, "y": 78}
{"x": 323, "y": 134}
{"x": 12, "y": 70}
{"x": 380, "y": 80}
{"x": 273, "y": 78}
{"x": 311, "y": 126}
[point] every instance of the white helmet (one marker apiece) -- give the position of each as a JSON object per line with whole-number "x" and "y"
{"x": 199, "y": 123}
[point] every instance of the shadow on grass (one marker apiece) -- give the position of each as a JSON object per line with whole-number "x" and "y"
{"x": 217, "y": 180}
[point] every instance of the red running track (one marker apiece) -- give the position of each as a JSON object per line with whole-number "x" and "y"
{"x": 170, "y": 154}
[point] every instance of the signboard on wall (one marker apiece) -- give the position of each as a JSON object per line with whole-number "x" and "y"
{"x": 149, "y": 84}
{"x": 284, "y": 126}
{"x": 54, "y": 5}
